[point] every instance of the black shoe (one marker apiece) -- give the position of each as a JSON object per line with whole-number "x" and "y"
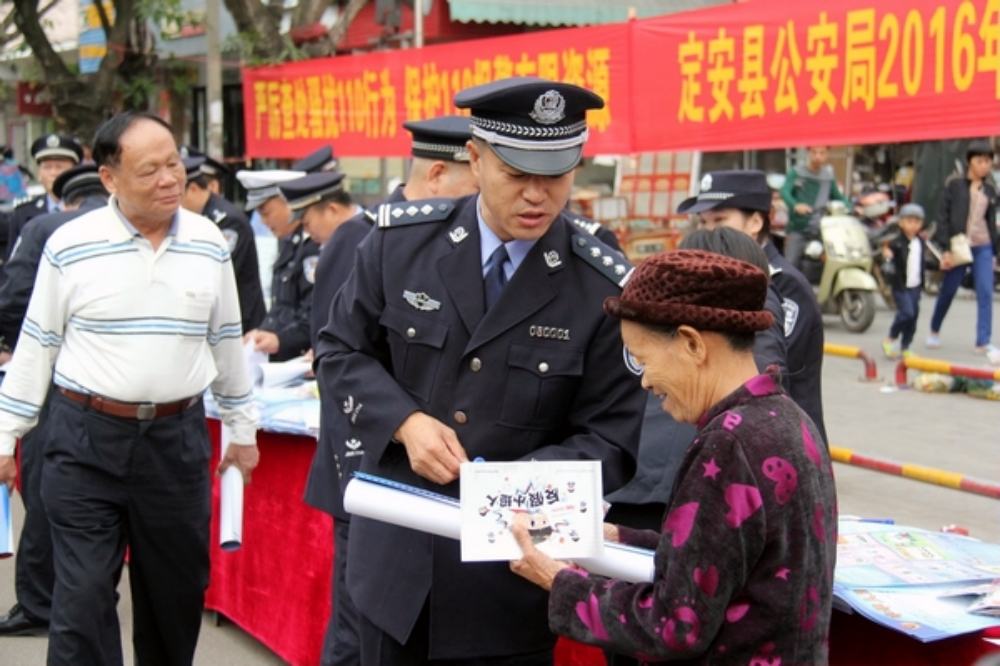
{"x": 17, "y": 623}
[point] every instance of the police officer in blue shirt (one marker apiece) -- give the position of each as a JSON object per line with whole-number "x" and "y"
{"x": 474, "y": 328}
{"x": 233, "y": 223}
{"x": 284, "y": 333}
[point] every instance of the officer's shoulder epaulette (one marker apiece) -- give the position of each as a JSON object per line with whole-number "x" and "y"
{"x": 605, "y": 259}
{"x": 20, "y": 201}
{"x": 589, "y": 226}
{"x": 406, "y": 213}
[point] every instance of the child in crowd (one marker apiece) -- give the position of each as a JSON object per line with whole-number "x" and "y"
{"x": 906, "y": 254}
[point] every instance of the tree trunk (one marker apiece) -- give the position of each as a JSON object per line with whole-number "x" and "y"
{"x": 253, "y": 17}
{"x": 80, "y": 102}
{"x": 308, "y": 12}
{"x": 344, "y": 19}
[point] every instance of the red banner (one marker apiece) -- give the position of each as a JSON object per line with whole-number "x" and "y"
{"x": 771, "y": 74}
{"x": 358, "y": 103}
{"x": 761, "y": 74}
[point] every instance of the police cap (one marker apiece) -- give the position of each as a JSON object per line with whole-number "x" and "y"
{"x": 317, "y": 161}
{"x": 192, "y": 167}
{"x": 310, "y": 190}
{"x": 263, "y": 185}
{"x": 73, "y": 179}
{"x": 56, "y": 146}
{"x": 442, "y": 138}
{"x": 211, "y": 167}
{"x": 747, "y": 190}
{"x": 534, "y": 125}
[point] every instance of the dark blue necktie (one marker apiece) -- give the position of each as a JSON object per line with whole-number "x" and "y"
{"x": 495, "y": 278}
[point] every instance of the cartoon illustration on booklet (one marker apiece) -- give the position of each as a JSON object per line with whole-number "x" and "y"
{"x": 562, "y": 500}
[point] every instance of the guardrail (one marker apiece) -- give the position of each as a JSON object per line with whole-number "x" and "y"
{"x": 930, "y": 475}
{"x": 871, "y": 371}
{"x": 943, "y": 367}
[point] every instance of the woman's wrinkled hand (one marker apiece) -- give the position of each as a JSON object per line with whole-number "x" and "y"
{"x": 534, "y": 565}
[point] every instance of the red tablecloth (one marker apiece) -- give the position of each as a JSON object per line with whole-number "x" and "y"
{"x": 277, "y": 586}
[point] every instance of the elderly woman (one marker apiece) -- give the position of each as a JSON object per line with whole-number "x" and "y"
{"x": 744, "y": 561}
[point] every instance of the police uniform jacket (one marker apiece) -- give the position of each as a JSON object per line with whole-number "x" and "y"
{"x": 804, "y": 335}
{"x": 539, "y": 376}
{"x": 334, "y": 463}
{"x": 23, "y": 266}
{"x": 291, "y": 294}
{"x": 21, "y": 215}
{"x": 236, "y": 229}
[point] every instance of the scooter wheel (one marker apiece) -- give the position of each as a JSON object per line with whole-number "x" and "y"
{"x": 857, "y": 310}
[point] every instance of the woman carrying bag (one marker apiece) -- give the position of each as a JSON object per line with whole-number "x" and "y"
{"x": 967, "y": 233}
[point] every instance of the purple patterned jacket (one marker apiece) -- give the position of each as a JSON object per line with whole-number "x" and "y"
{"x": 744, "y": 563}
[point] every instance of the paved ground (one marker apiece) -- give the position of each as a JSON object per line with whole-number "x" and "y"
{"x": 952, "y": 432}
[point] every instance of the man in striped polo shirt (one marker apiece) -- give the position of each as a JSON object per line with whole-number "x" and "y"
{"x": 134, "y": 314}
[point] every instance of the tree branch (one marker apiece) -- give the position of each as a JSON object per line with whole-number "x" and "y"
{"x": 27, "y": 20}
{"x": 252, "y": 17}
{"x": 344, "y": 19}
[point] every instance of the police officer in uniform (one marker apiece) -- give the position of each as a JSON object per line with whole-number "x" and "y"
{"x": 440, "y": 168}
{"x": 199, "y": 198}
{"x": 320, "y": 160}
{"x": 80, "y": 190}
{"x": 321, "y": 202}
{"x": 54, "y": 154}
{"x": 213, "y": 170}
{"x": 284, "y": 333}
{"x": 742, "y": 200}
{"x": 474, "y": 327}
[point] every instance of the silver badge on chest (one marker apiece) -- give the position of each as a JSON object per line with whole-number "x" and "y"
{"x": 552, "y": 259}
{"x": 458, "y": 234}
{"x": 421, "y": 301}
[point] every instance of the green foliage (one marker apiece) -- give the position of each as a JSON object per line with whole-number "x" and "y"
{"x": 249, "y": 47}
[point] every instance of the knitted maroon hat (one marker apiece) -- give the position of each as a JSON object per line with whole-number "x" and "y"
{"x": 704, "y": 290}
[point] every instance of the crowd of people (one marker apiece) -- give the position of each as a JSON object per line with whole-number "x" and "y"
{"x": 470, "y": 315}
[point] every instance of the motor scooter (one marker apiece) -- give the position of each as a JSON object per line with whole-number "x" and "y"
{"x": 837, "y": 261}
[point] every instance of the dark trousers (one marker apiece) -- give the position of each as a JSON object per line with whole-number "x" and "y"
{"x": 34, "y": 575}
{"x": 982, "y": 277}
{"x": 107, "y": 483}
{"x": 341, "y": 646}
{"x": 380, "y": 649}
{"x": 795, "y": 245}
{"x": 904, "y": 326}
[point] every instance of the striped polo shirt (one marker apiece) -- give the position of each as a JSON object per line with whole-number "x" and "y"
{"x": 111, "y": 316}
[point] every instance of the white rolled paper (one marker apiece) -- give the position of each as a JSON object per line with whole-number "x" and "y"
{"x": 405, "y": 508}
{"x": 402, "y": 508}
{"x": 622, "y": 562}
{"x": 230, "y": 502}
{"x": 271, "y": 375}
{"x": 6, "y": 524}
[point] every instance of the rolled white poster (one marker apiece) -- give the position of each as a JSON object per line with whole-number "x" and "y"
{"x": 6, "y": 524}
{"x": 230, "y": 502}
{"x": 404, "y": 506}
{"x": 271, "y": 375}
{"x": 424, "y": 511}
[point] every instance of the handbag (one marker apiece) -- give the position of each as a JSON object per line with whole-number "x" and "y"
{"x": 961, "y": 252}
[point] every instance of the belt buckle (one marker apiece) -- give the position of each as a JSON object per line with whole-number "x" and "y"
{"x": 146, "y": 412}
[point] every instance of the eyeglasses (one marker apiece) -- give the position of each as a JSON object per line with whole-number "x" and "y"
{"x": 632, "y": 363}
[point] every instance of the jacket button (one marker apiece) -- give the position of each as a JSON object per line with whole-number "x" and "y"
{"x": 461, "y": 418}
{"x": 411, "y": 332}
{"x": 476, "y": 365}
{"x": 543, "y": 368}
{"x": 284, "y": 279}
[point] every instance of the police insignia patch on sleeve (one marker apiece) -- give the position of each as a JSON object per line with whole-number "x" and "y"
{"x": 607, "y": 261}
{"x": 231, "y": 238}
{"x": 791, "y": 309}
{"x": 414, "y": 212}
{"x": 309, "y": 269}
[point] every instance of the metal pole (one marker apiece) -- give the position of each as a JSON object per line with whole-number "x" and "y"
{"x": 418, "y": 23}
{"x": 213, "y": 80}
